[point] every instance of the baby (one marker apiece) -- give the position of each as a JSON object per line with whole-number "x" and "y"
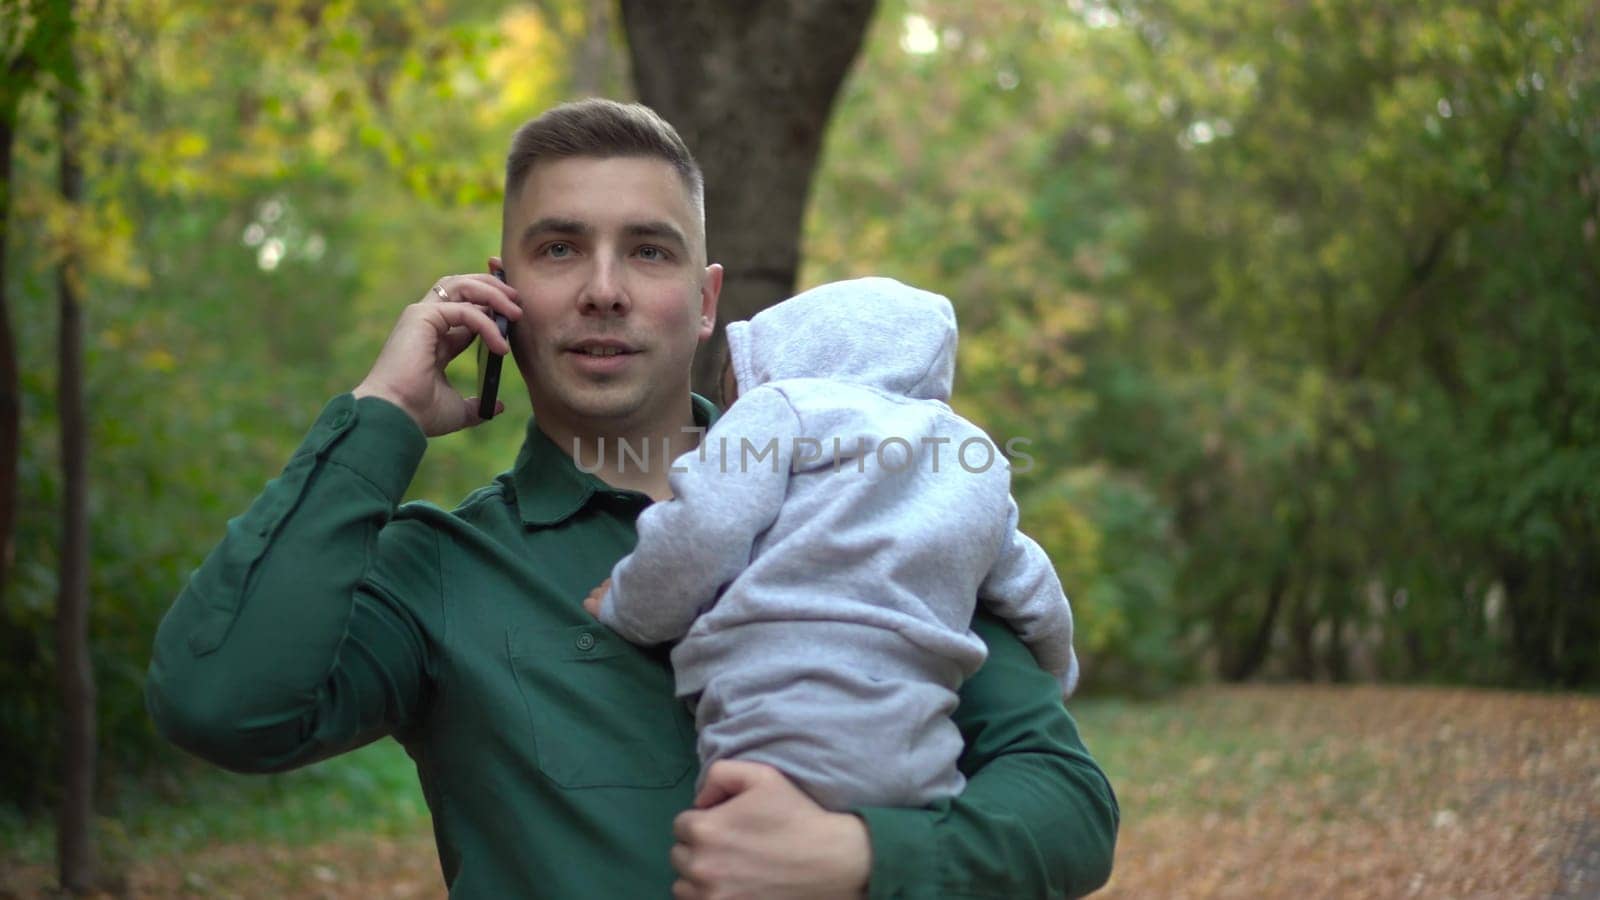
{"x": 826, "y": 546}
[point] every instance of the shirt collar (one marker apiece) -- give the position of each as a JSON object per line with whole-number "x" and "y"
{"x": 549, "y": 486}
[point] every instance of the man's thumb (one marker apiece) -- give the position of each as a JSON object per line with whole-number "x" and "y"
{"x": 727, "y": 778}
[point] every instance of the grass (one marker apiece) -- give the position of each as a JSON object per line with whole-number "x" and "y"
{"x": 373, "y": 791}
{"x": 1187, "y": 755}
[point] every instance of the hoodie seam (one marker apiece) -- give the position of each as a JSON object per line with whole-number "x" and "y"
{"x": 945, "y": 349}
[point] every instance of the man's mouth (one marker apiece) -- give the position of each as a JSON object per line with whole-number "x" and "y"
{"x": 602, "y": 349}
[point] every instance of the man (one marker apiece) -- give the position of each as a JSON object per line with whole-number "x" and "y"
{"x": 553, "y": 756}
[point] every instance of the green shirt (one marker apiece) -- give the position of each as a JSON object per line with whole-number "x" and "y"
{"x": 552, "y": 753}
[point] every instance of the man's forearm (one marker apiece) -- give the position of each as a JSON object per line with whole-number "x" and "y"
{"x": 1038, "y": 817}
{"x": 243, "y": 658}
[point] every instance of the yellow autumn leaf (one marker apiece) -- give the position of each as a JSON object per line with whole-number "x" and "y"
{"x": 160, "y": 360}
{"x": 190, "y": 145}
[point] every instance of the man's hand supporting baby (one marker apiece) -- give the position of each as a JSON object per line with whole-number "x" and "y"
{"x": 752, "y": 833}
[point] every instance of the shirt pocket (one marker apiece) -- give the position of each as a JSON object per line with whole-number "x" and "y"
{"x": 603, "y": 714}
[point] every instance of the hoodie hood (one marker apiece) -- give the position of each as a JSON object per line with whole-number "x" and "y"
{"x": 869, "y": 331}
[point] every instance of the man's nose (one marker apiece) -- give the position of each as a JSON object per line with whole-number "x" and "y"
{"x": 603, "y": 294}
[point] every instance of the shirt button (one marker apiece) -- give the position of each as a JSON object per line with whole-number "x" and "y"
{"x": 585, "y": 641}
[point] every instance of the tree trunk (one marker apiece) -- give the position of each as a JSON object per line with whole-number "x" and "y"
{"x": 1338, "y": 605}
{"x": 10, "y": 386}
{"x": 74, "y": 842}
{"x": 750, "y": 86}
{"x": 1302, "y": 630}
{"x": 1243, "y": 663}
{"x": 1530, "y": 621}
{"x": 1338, "y": 656}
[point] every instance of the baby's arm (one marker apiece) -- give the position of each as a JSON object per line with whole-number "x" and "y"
{"x": 1023, "y": 589}
{"x": 692, "y": 545}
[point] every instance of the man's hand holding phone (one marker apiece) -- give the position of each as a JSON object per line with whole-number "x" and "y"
{"x": 409, "y": 371}
{"x": 489, "y": 363}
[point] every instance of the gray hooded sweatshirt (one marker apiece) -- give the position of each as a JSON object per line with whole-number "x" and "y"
{"x": 825, "y": 547}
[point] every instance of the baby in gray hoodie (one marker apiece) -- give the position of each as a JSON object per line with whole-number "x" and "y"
{"x": 822, "y": 555}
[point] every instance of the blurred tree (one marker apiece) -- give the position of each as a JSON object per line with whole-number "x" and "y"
{"x": 588, "y": 28}
{"x": 1296, "y": 272}
{"x": 34, "y": 37}
{"x": 75, "y": 849}
{"x": 257, "y": 182}
{"x": 1319, "y": 238}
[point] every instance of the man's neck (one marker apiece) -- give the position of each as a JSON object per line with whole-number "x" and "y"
{"x": 627, "y": 457}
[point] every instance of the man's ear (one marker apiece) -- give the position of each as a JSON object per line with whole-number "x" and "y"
{"x": 710, "y": 290}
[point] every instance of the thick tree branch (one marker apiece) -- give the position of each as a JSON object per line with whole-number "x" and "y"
{"x": 1412, "y": 291}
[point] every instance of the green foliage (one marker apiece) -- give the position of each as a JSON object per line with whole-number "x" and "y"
{"x": 1109, "y": 539}
{"x": 1317, "y": 280}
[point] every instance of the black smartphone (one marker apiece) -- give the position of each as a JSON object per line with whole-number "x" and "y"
{"x": 489, "y": 364}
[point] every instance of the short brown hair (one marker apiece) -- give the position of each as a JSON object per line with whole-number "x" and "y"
{"x": 601, "y": 129}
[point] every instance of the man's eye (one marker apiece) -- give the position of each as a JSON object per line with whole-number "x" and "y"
{"x": 652, "y": 254}
{"x": 558, "y": 250}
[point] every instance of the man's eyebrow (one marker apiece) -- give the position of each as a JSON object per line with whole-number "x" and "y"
{"x": 553, "y": 225}
{"x": 660, "y": 230}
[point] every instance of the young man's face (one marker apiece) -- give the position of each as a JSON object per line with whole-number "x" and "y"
{"x": 608, "y": 258}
